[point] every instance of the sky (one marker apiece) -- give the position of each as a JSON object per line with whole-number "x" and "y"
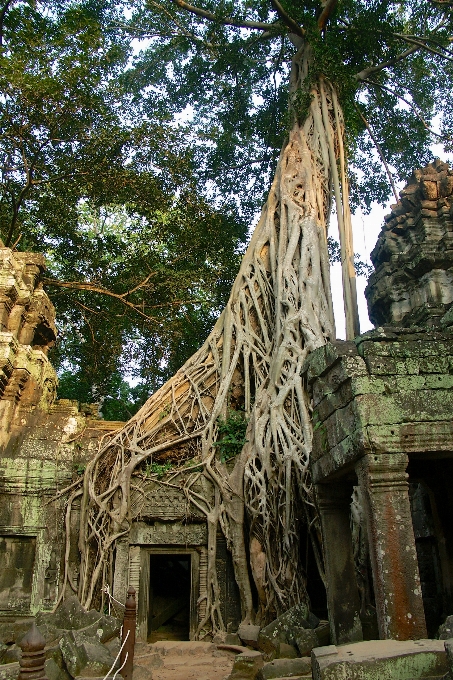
{"x": 366, "y": 230}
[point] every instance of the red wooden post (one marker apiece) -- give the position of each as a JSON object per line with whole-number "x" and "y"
{"x": 129, "y": 623}
{"x": 33, "y": 656}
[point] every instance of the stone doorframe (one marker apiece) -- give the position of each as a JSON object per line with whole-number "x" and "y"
{"x": 143, "y": 584}
{"x": 396, "y": 580}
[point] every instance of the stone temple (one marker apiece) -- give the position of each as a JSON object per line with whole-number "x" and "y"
{"x": 382, "y": 461}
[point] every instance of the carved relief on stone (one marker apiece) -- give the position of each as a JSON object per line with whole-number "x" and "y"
{"x": 413, "y": 257}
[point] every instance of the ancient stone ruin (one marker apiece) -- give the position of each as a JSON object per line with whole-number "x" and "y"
{"x": 381, "y": 465}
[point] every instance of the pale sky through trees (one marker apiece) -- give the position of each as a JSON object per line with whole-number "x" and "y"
{"x": 366, "y": 230}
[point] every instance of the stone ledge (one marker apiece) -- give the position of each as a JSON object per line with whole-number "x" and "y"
{"x": 380, "y": 660}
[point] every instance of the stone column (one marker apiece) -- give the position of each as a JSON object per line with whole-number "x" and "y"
{"x": 397, "y": 590}
{"x": 334, "y": 502}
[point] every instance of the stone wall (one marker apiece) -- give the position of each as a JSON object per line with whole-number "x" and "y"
{"x": 44, "y": 444}
{"x": 382, "y": 455}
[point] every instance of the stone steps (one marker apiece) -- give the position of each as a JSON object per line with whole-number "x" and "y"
{"x": 174, "y": 660}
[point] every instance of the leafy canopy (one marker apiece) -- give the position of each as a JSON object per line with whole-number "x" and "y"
{"x": 229, "y": 63}
{"x": 139, "y": 260}
{"x": 136, "y": 173}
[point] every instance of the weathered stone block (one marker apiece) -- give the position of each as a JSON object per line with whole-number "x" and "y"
{"x": 70, "y": 615}
{"x": 323, "y": 358}
{"x": 9, "y": 671}
{"x": 140, "y": 673}
{"x": 85, "y": 657}
{"x": 379, "y": 659}
{"x": 305, "y": 640}
{"x": 269, "y": 644}
{"x": 445, "y": 631}
{"x": 285, "y": 668}
{"x": 54, "y": 672}
{"x": 288, "y": 651}
{"x": 323, "y": 634}
{"x": 247, "y": 666}
{"x": 282, "y": 630}
{"x": 12, "y": 654}
{"x": 249, "y": 635}
{"x": 336, "y": 427}
{"x": 11, "y": 632}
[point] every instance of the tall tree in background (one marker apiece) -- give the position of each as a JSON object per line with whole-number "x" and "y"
{"x": 108, "y": 193}
{"x": 360, "y": 74}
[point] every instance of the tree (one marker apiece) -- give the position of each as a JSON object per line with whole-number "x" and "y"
{"x": 108, "y": 193}
{"x": 351, "y": 64}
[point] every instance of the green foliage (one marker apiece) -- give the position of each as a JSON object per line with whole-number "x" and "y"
{"x": 231, "y": 434}
{"x": 234, "y": 79}
{"x": 98, "y": 171}
{"x": 157, "y": 469}
{"x": 106, "y": 189}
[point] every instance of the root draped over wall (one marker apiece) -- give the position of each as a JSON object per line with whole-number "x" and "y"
{"x": 280, "y": 309}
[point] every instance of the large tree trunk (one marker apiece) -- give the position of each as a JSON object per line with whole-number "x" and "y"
{"x": 280, "y": 310}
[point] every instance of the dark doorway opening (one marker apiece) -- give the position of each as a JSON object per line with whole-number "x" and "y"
{"x": 431, "y": 498}
{"x": 169, "y": 597}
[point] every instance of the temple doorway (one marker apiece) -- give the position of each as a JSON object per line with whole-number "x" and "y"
{"x": 170, "y": 580}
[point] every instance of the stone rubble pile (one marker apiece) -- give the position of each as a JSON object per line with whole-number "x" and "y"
{"x": 79, "y": 643}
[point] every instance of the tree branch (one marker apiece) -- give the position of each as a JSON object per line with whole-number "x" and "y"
{"x": 289, "y": 21}
{"x": 379, "y": 150}
{"x": 423, "y": 46}
{"x": 363, "y": 75}
{"x": 184, "y": 31}
{"x": 328, "y": 9}
{"x": 121, "y": 297}
{"x": 411, "y": 105}
{"x": 228, "y": 21}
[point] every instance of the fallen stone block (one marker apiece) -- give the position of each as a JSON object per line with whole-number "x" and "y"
{"x": 323, "y": 634}
{"x": 232, "y": 639}
{"x": 70, "y": 615}
{"x": 85, "y": 657}
{"x": 247, "y": 665}
{"x": 11, "y": 654}
{"x": 305, "y": 640}
{"x": 150, "y": 659}
{"x": 269, "y": 645}
{"x": 282, "y": 630}
{"x": 9, "y": 671}
{"x": 288, "y": 651}
{"x": 445, "y": 631}
{"x": 141, "y": 672}
{"x": 380, "y": 660}
{"x": 249, "y": 635}
{"x": 54, "y": 672}
{"x": 285, "y": 668}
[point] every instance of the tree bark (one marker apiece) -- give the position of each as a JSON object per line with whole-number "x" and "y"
{"x": 279, "y": 311}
